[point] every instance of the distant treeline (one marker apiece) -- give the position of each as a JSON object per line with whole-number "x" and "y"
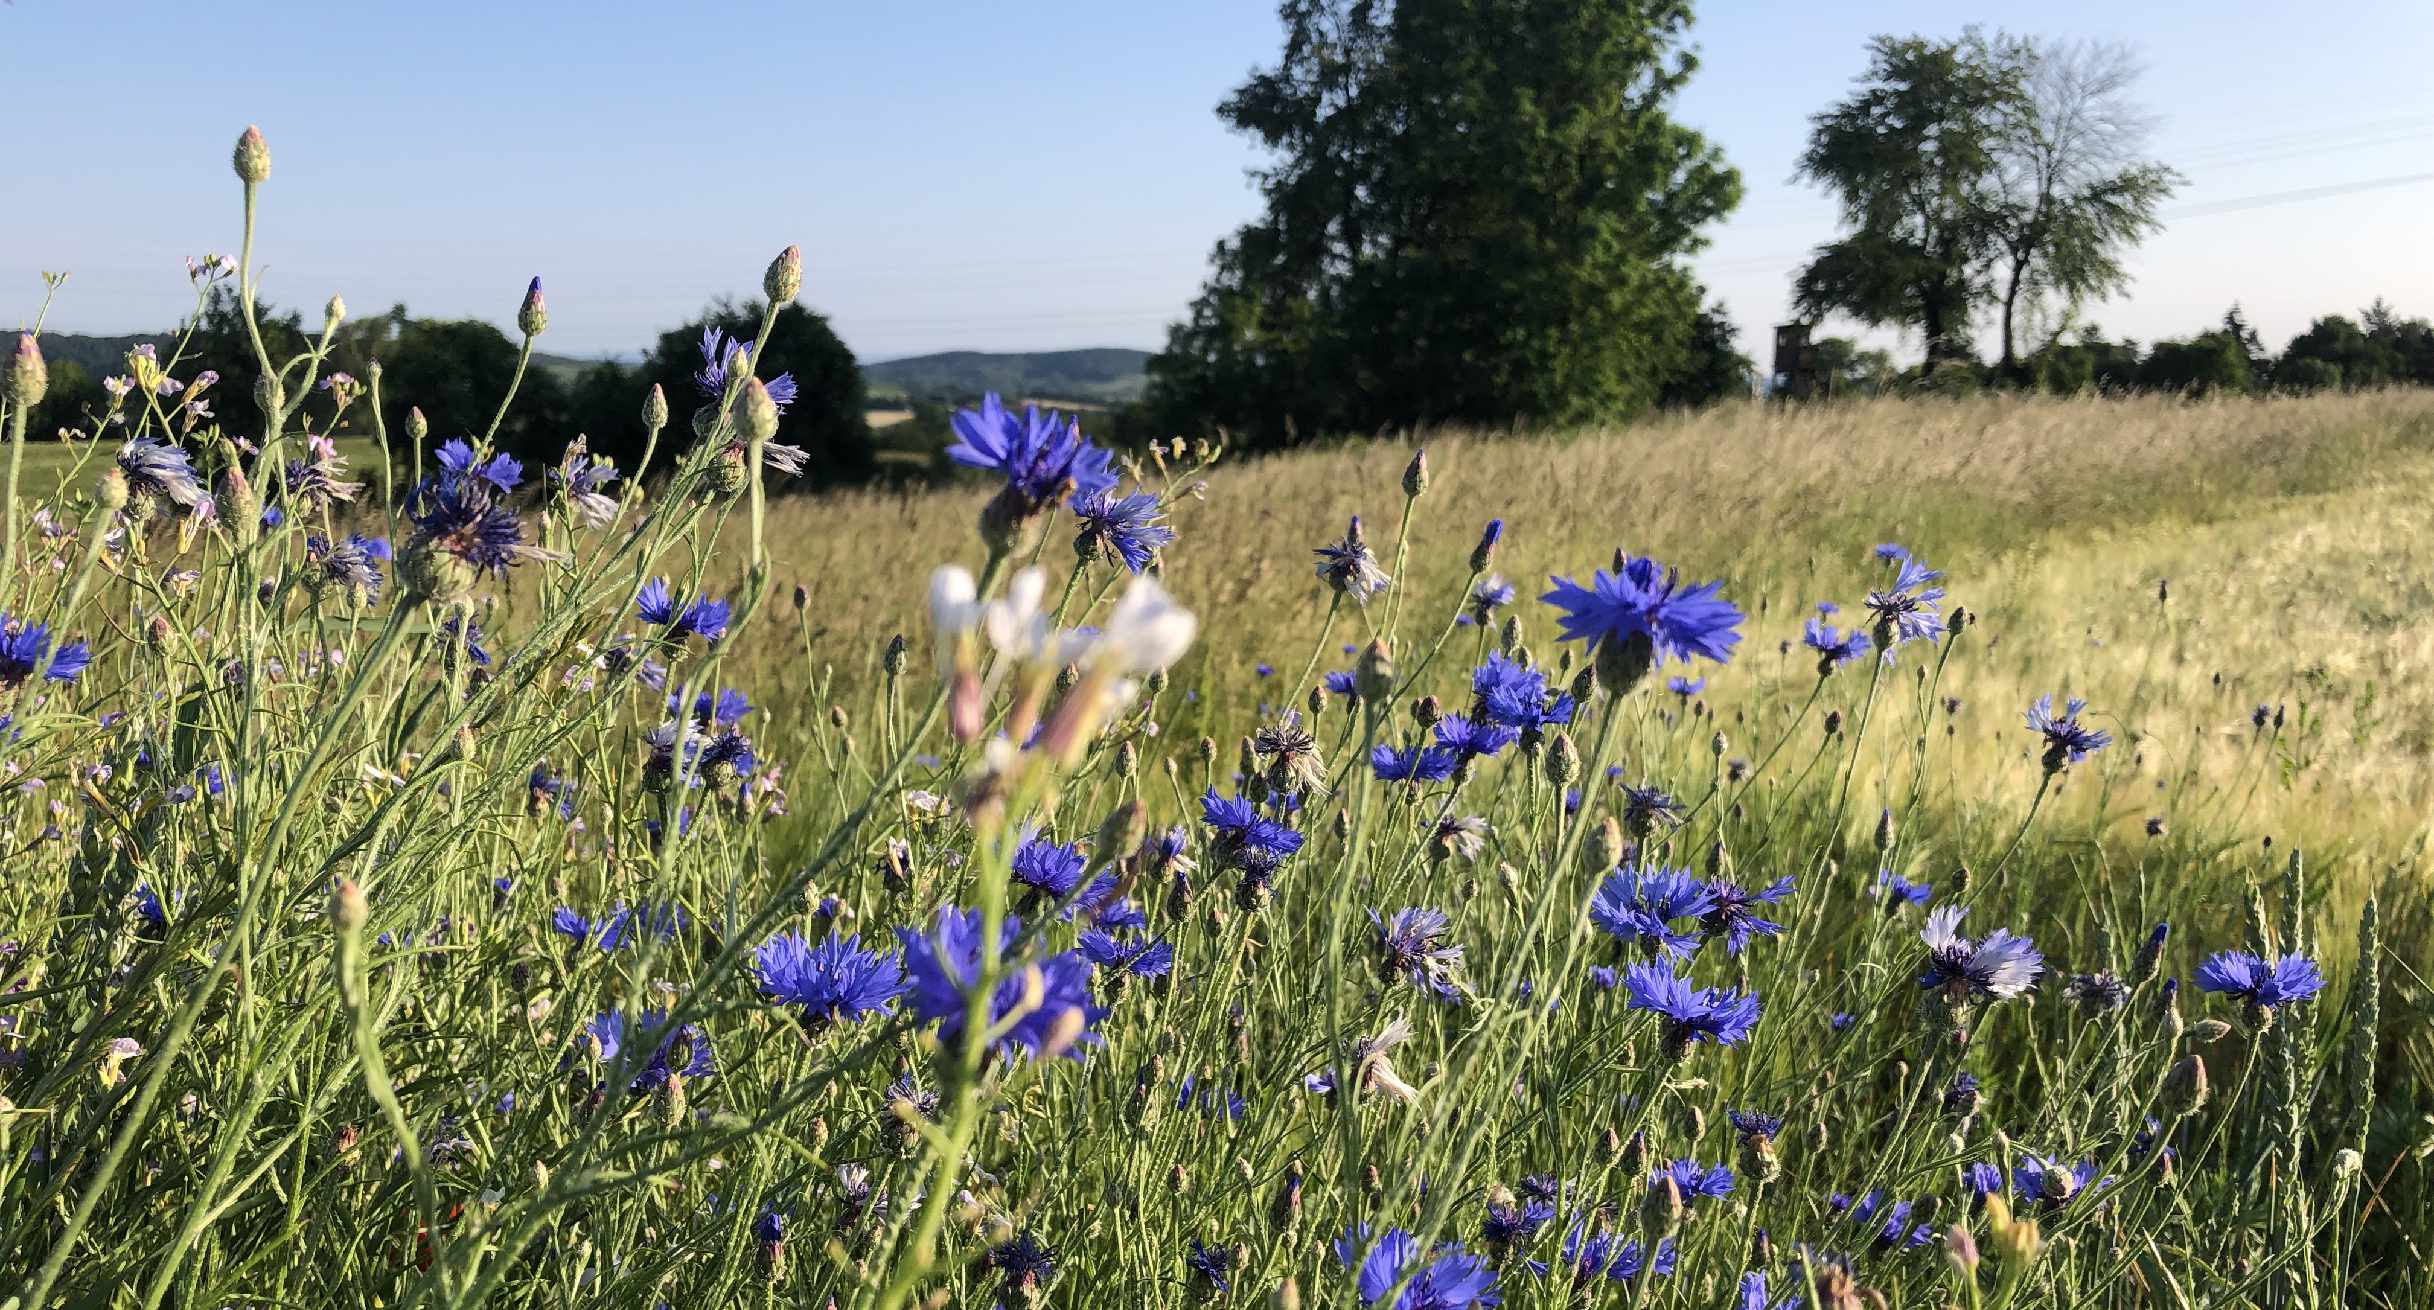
{"x": 2378, "y": 348}
{"x": 456, "y": 371}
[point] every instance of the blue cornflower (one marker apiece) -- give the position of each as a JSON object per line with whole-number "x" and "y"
{"x": 1514, "y": 694}
{"x": 1691, "y": 1013}
{"x": 1488, "y": 595}
{"x": 1834, "y": 646}
{"x": 726, "y": 710}
{"x": 1041, "y": 459}
{"x": 550, "y": 792}
{"x": 1210, "y": 1099}
{"x": 1685, "y": 687}
{"x": 1643, "y": 602}
{"x": 1469, "y": 740}
{"x": 1120, "y": 529}
{"x": 1983, "y": 1179}
{"x": 942, "y": 963}
{"x": 1694, "y": 1181}
{"x": 154, "y": 469}
{"x": 1413, "y": 763}
{"x": 1140, "y": 956}
{"x": 683, "y": 1049}
{"x": 1350, "y": 569}
{"x": 1890, "y": 551}
{"x": 1243, "y": 837}
{"x": 503, "y": 472}
{"x": 614, "y": 930}
{"x": 1962, "y": 1096}
{"x": 2000, "y": 967}
{"x": 1412, "y": 947}
{"x": 717, "y": 353}
{"x": 1908, "y": 610}
{"x": 1734, "y": 915}
{"x": 2264, "y": 985}
{"x": 149, "y": 911}
{"x": 1898, "y": 890}
{"x": 1752, "y": 1290}
{"x": 1046, "y": 867}
{"x": 2067, "y": 741}
{"x": 770, "y": 1228}
{"x": 830, "y": 982}
{"x": 1888, "y": 1224}
{"x": 1604, "y": 1253}
{"x": 1751, "y": 1125}
{"x": 1447, "y": 1278}
{"x": 705, "y": 618}
{"x": 23, "y": 645}
{"x": 2051, "y": 1181}
{"x": 1639, "y": 905}
{"x": 459, "y": 518}
{"x": 1515, "y": 1224}
{"x": 1343, "y": 683}
{"x": 1214, "y": 1265}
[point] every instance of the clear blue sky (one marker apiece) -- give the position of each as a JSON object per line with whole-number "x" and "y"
{"x": 1009, "y": 177}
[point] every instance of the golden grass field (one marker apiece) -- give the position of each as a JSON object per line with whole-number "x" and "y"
{"x": 2289, "y": 530}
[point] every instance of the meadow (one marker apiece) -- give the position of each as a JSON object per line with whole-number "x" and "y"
{"x": 1155, "y": 878}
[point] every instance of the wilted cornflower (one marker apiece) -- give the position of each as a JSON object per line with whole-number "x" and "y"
{"x": 1909, "y": 609}
{"x": 703, "y": 617}
{"x": 1350, "y": 569}
{"x": 1734, "y": 916}
{"x": 1412, "y": 947}
{"x": 1640, "y": 905}
{"x": 830, "y": 982}
{"x": 351, "y": 565}
{"x": 683, "y": 1049}
{"x": 2099, "y": 991}
{"x": 1464, "y": 836}
{"x": 2264, "y": 986}
{"x": 1694, "y": 1181}
{"x": 1447, "y": 1278}
{"x": 906, "y": 1098}
{"x": 1213, "y": 1264}
{"x": 314, "y": 484}
{"x": 23, "y": 648}
{"x": 1690, "y": 1013}
{"x": 1292, "y": 755}
{"x": 1834, "y": 647}
{"x": 1963, "y": 1095}
{"x": 1041, "y": 459}
{"x": 1028, "y": 1265}
{"x": 1640, "y": 616}
{"x": 1999, "y": 967}
{"x": 1120, "y": 529}
{"x": 1898, "y": 891}
{"x": 583, "y": 478}
{"x": 155, "y": 471}
{"x": 942, "y": 963}
{"x": 1488, "y": 595}
{"x": 1413, "y": 763}
{"x": 1647, "y": 807}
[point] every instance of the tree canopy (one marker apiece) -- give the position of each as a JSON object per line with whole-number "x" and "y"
{"x": 1477, "y": 212}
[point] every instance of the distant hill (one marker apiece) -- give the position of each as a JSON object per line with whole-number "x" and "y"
{"x": 104, "y": 356}
{"x": 1109, "y": 375}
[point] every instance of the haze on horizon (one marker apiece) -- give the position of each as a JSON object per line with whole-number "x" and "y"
{"x": 977, "y": 177}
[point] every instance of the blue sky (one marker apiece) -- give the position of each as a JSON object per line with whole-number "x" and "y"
{"x": 992, "y": 176}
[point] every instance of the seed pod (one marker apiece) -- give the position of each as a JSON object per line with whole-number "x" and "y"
{"x": 2185, "y": 1085}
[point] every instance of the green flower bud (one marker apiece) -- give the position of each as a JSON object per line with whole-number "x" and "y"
{"x": 29, "y": 379}
{"x": 655, "y": 409}
{"x": 251, "y": 157}
{"x": 784, "y": 280}
{"x": 533, "y": 318}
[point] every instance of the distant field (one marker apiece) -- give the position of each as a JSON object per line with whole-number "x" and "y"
{"x": 2056, "y": 519}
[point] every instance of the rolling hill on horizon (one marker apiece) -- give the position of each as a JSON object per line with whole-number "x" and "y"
{"x": 1105, "y": 375}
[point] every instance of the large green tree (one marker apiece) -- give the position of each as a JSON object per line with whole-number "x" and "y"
{"x": 2074, "y": 189}
{"x": 1477, "y": 212}
{"x": 1911, "y": 159}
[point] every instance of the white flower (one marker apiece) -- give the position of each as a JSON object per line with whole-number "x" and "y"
{"x": 1025, "y": 632}
{"x": 954, "y": 609}
{"x": 1148, "y": 631}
